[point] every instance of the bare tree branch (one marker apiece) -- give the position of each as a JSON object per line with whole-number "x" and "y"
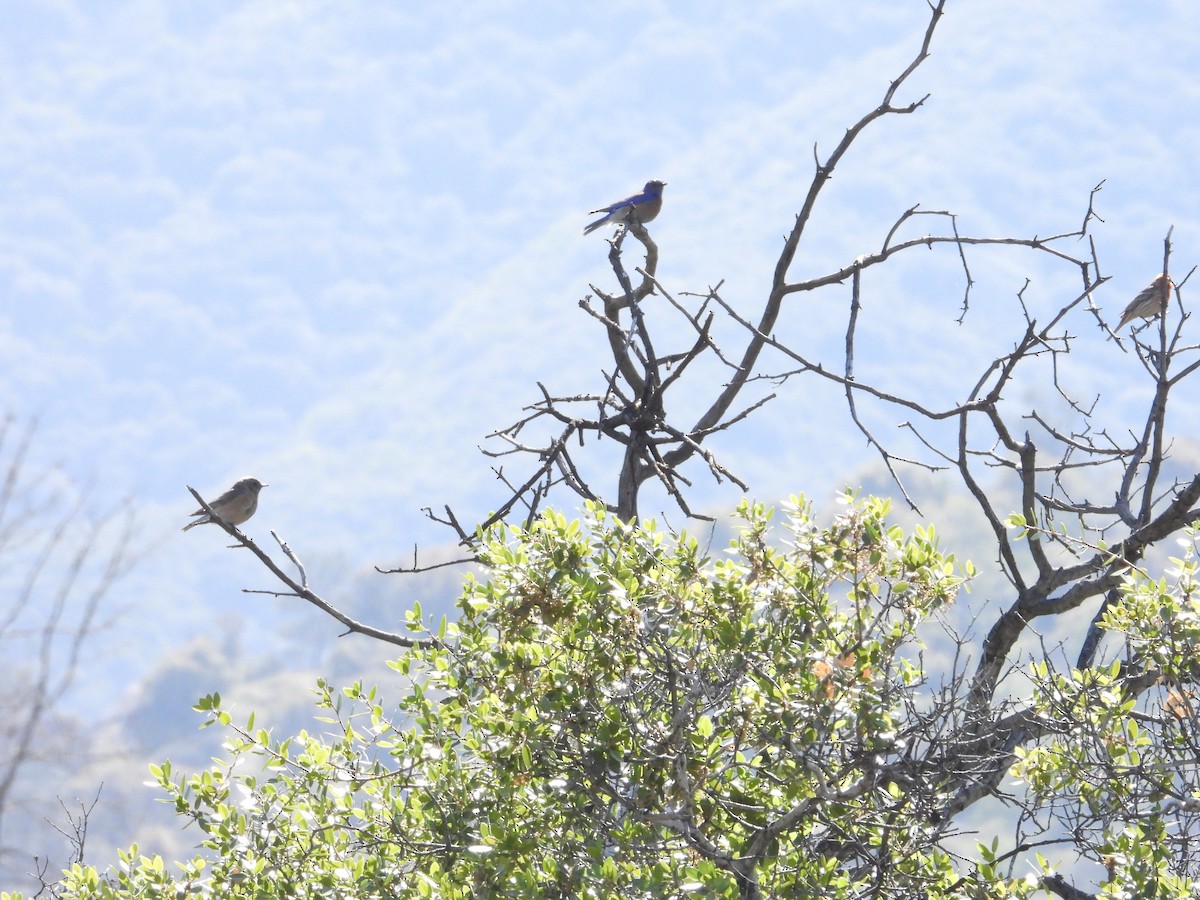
{"x": 299, "y": 588}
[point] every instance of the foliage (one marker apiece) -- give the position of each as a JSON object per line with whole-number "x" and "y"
{"x": 618, "y": 713}
{"x": 615, "y": 714}
{"x": 1121, "y": 773}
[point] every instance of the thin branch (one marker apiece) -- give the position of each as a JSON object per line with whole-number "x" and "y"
{"x": 298, "y": 588}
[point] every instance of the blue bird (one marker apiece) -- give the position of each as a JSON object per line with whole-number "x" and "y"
{"x": 642, "y": 207}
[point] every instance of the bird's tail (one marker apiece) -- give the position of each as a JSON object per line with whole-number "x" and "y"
{"x": 594, "y": 225}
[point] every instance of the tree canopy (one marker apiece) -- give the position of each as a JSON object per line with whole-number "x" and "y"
{"x": 615, "y": 713}
{"x": 620, "y": 712}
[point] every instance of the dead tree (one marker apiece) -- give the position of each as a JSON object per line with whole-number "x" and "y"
{"x": 630, "y": 406}
{"x": 59, "y": 564}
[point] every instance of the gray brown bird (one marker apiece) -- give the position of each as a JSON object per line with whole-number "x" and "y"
{"x": 234, "y": 506}
{"x": 1151, "y": 302}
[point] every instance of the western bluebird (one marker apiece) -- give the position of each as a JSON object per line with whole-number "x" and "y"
{"x": 234, "y": 506}
{"x": 1151, "y": 302}
{"x": 643, "y": 207}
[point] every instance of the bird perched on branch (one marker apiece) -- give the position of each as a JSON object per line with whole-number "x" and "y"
{"x": 1151, "y": 302}
{"x": 234, "y": 506}
{"x": 643, "y": 207}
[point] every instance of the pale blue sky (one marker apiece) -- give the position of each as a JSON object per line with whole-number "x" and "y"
{"x": 335, "y": 244}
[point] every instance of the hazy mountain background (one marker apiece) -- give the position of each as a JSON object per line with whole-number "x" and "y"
{"x": 334, "y": 245}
